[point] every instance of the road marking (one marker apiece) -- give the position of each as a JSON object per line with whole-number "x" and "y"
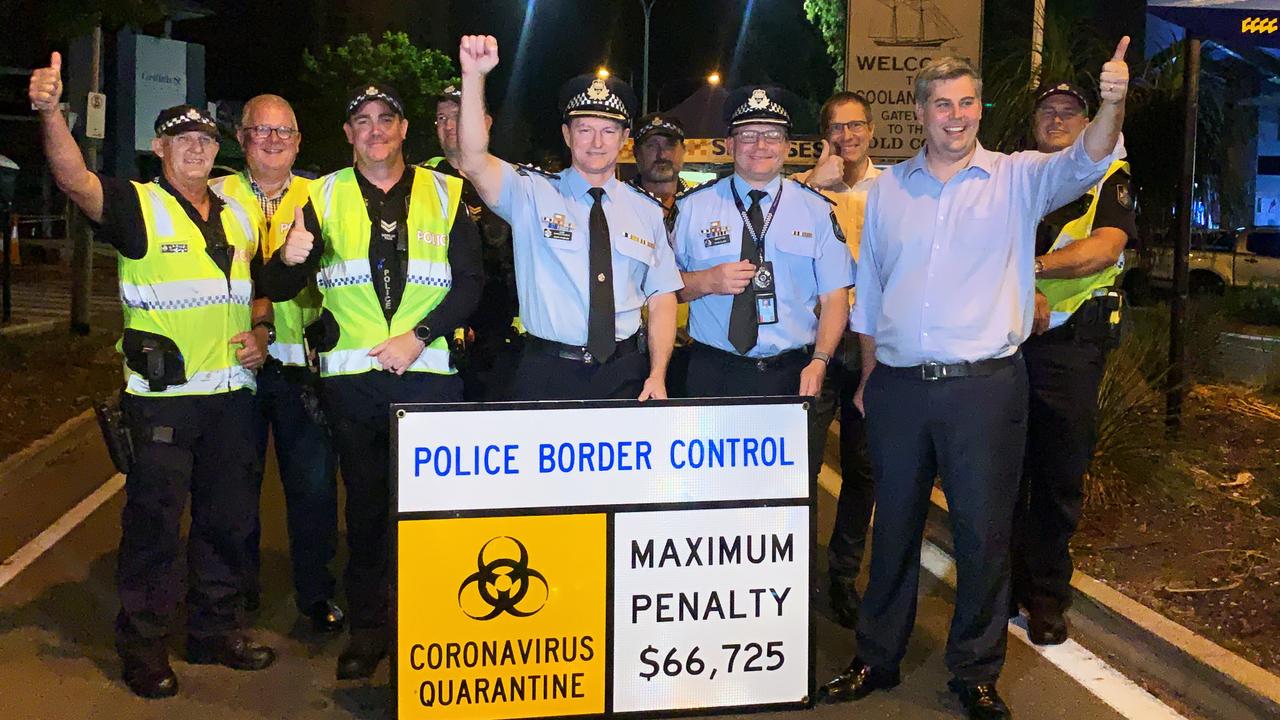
{"x": 1090, "y": 671}
{"x": 30, "y": 552}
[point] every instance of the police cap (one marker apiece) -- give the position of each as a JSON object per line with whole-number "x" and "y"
{"x": 759, "y": 104}
{"x": 1047, "y": 91}
{"x": 374, "y": 91}
{"x": 182, "y": 118}
{"x": 658, "y": 124}
{"x": 593, "y": 96}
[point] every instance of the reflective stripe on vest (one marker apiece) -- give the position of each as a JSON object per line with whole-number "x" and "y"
{"x": 178, "y": 291}
{"x": 346, "y": 280}
{"x": 290, "y": 317}
{"x": 1066, "y": 296}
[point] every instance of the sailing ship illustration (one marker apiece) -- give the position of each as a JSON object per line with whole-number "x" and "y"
{"x": 931, "y": 27}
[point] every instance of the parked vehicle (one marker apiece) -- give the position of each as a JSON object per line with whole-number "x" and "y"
{"x": 1219, "y": 259}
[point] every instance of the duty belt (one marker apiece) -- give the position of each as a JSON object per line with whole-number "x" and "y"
{"x": 761, "y": 363}
{"x": 942, "y": 371}
{"x": 580, "y": 352}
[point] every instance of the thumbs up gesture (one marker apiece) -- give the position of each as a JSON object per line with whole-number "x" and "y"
{"x": 828, "y": 173}
{"x": 298, "y": 243}
{"x": 45, "y": 88}
{"x": 1113, "y": 83}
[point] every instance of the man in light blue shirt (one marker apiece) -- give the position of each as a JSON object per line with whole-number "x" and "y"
{"x": 945, "y": 297}
{"x": 590, "y": 251}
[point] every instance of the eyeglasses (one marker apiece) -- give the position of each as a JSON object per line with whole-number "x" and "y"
{"x": 194, "y": 139}
{"x": 853, "y": 125}
{"x": 443, "y": 119}
{"x": 751, "y": 137}
{"x": 262, "y": 132}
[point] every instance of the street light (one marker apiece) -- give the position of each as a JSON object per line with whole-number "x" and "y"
{"x": 647, "y": 6}
{"x": 713, "y": 79}
{"x": 602, "y": 73}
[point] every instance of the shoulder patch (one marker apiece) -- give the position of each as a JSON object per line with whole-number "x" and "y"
{"x": 689, "y": 191}
{"x": 641, "y": 191}
{"x": 835, "y": 228}
{"x": 826, "y": 199}
{"x": 526, "y": 169}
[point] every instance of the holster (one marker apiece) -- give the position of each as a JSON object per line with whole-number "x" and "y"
{"x": 115, "y": 433}
{"x": 154, "y": 357}
{"x": 1100, "y": 319}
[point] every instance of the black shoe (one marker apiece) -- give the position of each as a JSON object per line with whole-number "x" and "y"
{"x": 233, "y": 651}
{"x": 363, "y": 653}
{"x": 1045, "y": 623}
{"x": 845, "y": 601}
{"x": 857, "y": 682}
{"x": 981, "y": 701}
{"x": 325, "y": 616}
{"x": 150, "y": 679}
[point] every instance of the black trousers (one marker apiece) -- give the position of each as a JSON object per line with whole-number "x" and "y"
{"x": 716, "y": 373}
{"x": 972, "y": 432}
{"x": 358, "y": 410}
{"x": 540, "y": 376}
{"x": 308, "y": 473}
{"x": 857, "y": 499}
{"x": 197, "y": 446}
{"x": 1062, "y": 422}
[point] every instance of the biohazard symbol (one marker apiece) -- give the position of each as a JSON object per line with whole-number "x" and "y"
{"x": 502, "y": 584}
{"x": 1259, "y": 25}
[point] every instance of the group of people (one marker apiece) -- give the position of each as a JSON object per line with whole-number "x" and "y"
{"x": 970, "y": 345}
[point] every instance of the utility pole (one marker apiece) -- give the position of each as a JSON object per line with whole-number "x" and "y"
{"x": 78, "y": 226}
{"x": 1175, "y": 381}
{"x": 1037, "y": 42}
{"x": 647, "y": 6}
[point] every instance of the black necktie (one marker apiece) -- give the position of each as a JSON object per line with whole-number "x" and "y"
{"x": 742, "y": 319}
{"x": 600, "y": 330}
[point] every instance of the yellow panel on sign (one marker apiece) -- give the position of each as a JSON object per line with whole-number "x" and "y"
{"x": 501, "y": 617}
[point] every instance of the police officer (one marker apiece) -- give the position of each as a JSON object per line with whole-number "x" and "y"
{"x": 844, "y": 174}
{"x": 270, "y": 192}
{"x": 659, "y": 151}
{"x": 765, "y": 267}
{"x": 590, "y": 250}
{"x": 1079, "y": 251}
{"x": 492, "y": 341}
{"x": 397, "y": 261}
{"x": 186, "y": 289}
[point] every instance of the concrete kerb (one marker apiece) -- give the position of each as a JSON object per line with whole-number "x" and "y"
{"x": 31, "y": 328}
{"x": 1166, "y": 651}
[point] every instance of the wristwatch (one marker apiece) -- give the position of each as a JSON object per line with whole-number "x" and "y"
{"x": 271, "y": 330}
{"x": 1039, "y": 267}
{"x": 422, "y": 331}
{"x": 824, "y": 357}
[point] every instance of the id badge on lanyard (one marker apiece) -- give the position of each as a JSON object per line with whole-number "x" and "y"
{"x": 762, "y": 283}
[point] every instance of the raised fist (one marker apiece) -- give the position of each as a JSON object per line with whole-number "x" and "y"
{"x": 478, "y": 54}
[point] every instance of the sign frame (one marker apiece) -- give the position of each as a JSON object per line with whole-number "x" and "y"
{"x": 400, "y": 410}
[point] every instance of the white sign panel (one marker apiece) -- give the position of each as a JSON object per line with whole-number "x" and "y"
{"x": 888, "y": 43}
{"x": 711, "y": 608}
{"x": 161, "y": 82}
{"x": 601, "y": 456}
{"x": 95, "y": 120}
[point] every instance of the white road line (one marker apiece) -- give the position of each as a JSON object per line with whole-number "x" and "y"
{"x": 1092, "y": 672}
{"x": 30, "y": 552}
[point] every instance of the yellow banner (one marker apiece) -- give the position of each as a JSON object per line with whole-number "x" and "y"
{"x": 803, "y": 151}
{"x": 501, "y": 617}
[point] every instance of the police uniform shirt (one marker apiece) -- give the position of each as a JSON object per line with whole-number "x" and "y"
{"x": 1116, "y": 209}
{"x": 550, "y": 225}
{"x": 390, "y": 266}
{"x": 123, "y": 226}
{"x": 803, "y": 242}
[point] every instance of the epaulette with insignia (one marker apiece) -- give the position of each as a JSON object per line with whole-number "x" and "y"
{"x": 645, "y": 193}
{"x": 696, "y": 188}
{"x": 815, "y": 191}
{"x": 525, "y": 169}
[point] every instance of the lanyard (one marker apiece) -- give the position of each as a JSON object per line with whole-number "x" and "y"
{"x": 746, "y": 221}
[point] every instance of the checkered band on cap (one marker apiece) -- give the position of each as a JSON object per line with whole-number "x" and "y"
{"x": 760, "y": 108}
{"x": 599, "y": 101}
{"x": 191, "y": 116}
